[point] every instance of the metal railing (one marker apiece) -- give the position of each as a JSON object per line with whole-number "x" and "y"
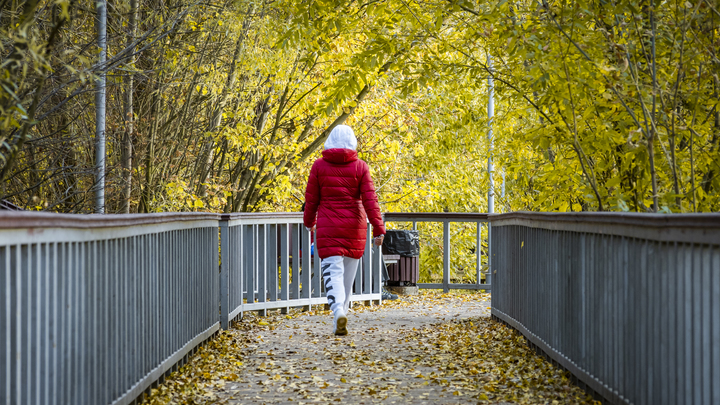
{"x": 97, "y": 308}
{"x": 628, "y": 303}
{"x": 94, "y": 308}
{"x": 266, "y": 264}
{"x": 446, "y": 218}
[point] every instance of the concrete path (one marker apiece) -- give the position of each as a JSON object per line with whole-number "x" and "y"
{"x": 438, "y": 348}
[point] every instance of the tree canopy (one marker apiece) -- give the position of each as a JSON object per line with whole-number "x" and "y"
{"x": 224, "y": 105}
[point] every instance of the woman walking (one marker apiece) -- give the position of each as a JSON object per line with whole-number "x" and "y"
{"x": 339, "y": 200}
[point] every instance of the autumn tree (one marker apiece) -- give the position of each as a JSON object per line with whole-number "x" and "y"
{"x": 224, "y": 105}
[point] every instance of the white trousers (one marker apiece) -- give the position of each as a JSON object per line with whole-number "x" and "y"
{"x": 339, "y": 274}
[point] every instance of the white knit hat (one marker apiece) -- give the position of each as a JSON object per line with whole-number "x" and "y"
{"x": 341, "y": 137}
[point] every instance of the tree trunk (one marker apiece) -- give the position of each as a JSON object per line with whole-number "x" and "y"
{"x": 150, "y": 153}
{"x": 127, "y": 149}
{"x": 100, "y": 108}
{"x": 708, "y": 177}
{"x": 651, "y": 138}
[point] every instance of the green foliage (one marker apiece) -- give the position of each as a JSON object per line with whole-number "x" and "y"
{"x": 598, "y": 102}
{"x": 599, "y": 106}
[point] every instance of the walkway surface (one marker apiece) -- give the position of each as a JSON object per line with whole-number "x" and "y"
{"x": 441, "y": 348}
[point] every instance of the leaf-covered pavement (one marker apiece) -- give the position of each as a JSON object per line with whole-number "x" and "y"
{"x": 441, "y": 348}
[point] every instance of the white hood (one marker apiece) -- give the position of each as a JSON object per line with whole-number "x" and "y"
{"x": 341, "y": 137}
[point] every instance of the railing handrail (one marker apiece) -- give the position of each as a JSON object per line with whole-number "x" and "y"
{"x": 435, "y": 216}
{"x": 30, "y": 219}
{"x": 695, "y": 220}
{"x": 261, "y": 215}
{"x": 35, "y": 219}
{"x": 688, "y": 228}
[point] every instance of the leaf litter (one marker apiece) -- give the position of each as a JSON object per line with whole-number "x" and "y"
{"x": 442, "y": 348}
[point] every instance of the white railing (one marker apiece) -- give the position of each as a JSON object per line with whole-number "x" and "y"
{"x": 446, "y": 218}
{"x": 95, "y": 309}
{"x": 266, "y": 264}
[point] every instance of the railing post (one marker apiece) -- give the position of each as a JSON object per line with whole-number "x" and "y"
{"x": 305, "y": 278}
{"x": 317, "y": 276}
{"x": 248, "y": 249}
{"x": 357, "y": 287}
{"x": 295, "y": 279}
{"x": 376, "y": 267}
{"x": 446, "y": 256}
{"x": 224, "y": 271}
{"x": 284, "y": 264}
{"x": 262, "y": 266}
{"x": 478, "y": 252}
{"x": 272, "y": 261}
{"x": 367, "y": 262}
{"x": 488, "y": 279}
{"x": 242, "y": 254}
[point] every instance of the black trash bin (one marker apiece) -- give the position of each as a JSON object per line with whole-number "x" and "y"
{"x": 401, "y": 251}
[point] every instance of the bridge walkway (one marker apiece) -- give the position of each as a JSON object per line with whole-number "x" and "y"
{"x": 433, "y": 348}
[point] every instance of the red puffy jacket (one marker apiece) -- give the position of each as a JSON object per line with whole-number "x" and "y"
{"x": 338, "y": 189}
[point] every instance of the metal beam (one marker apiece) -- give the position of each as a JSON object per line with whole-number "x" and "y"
{"x": 440, "y": 286}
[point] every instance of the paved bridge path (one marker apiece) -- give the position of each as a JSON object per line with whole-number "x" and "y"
{"x": 441, "y": 348}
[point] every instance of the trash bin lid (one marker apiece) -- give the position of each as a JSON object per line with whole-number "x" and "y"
{"x": 402, "y": 242}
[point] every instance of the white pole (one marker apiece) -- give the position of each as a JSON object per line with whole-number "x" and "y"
{"x": 491, "y": 188}
{"x": 100, "y": 108}
{"x": 491, "y": 114}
